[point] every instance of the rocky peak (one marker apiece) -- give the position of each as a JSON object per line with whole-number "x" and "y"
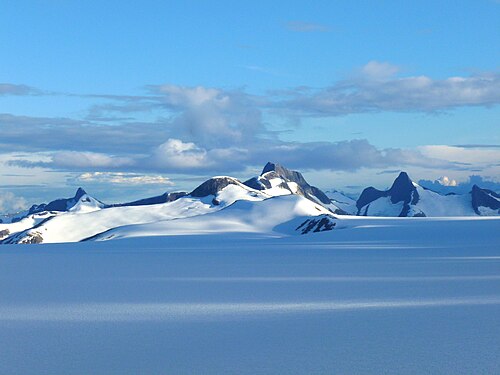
{"x": 284, "y": 173}
{"x": 213, "y": 186}
{"x": 484, "y": 198}
{"x": 402, "y": 189}
{"x": 79, "y": 193}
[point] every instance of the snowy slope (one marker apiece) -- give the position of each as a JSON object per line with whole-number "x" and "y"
{"x": 343, "y": 202}
{"x": 273, "y": 217}
{"x": 86, "y": 220}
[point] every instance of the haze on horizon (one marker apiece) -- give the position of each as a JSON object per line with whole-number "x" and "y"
{"x": 130, "y": 100}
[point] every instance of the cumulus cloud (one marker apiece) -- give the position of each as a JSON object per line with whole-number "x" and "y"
{"x": 462, "y": 187}
{"x": 212, "y": 117}
{"x": 446, "y": 181}
{"x": 10, "y": 203}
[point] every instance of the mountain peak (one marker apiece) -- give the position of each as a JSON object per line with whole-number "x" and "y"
{"x": 270, "y": 166}
{"x": 213, "y": 186}
{"x": 402, "y": 188}
{"x": 80, "y": 193}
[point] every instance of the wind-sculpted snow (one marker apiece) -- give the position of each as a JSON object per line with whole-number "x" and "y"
{"x": 385, "y": 295}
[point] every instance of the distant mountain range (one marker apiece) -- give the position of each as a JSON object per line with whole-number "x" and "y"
{"x": 277, "y": 202}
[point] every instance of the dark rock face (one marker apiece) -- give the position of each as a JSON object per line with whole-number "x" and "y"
{"x": 213, "y": 186}
{"x": 402, "y": 190}
{"x": 58, "y": 204}
{"x": 321, "y": 223}
{"x": 484, "y": 198}
{"x": 273, "y": 170}
{"x": 4, "y": 233}
{"x": 164, "y": 198}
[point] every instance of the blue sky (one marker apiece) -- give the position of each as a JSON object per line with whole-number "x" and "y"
{"x": 129, "y": 99}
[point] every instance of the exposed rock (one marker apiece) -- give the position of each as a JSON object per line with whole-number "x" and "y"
{"x": 4, "y": 233}
{"x": 484, "y": 198}
{"x": 273, "y": 171}
{"x": 402, "y": 190}
{"x": 321, "y": 223}
{"x": 213, "y": 186}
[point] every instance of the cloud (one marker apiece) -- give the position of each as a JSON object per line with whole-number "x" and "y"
{"x": 10, "y": 203}
{"x": 446, "y": 181}
{"x": 306, "y": 27}
{"x": 376, "y": 88}
{"x": 478, "y": 156}
{"x": 120, "y": 178}
{"x": 12, "y": 89}
{"x": 441, "y": 186}
{"x": 212, "y": 117}
{"x": 74, "y": 160}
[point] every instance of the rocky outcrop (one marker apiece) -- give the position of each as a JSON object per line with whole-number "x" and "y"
{"x": 322, "y": 223}
{"x": 213, "y": 186}
{"x": 484, "y": 198}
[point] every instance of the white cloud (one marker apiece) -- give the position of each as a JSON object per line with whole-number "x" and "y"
{"x": 177, "y": 154}
{"x": 76, "y": 159}
{"x": 122, "y": 178}
{"x": 10, "y": 203}
{"x": 377, "y": 89}
{"x": 379, "y": 70}
{"x": 478, "y": 156}
{"x": 446, "y": 181}
{"x": 306, "y": 27}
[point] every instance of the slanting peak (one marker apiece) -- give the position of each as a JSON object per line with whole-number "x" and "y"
{"x": 80, "y": 193}
{"x": 284, "y": 173}
{"x": 213, "y": 186}
{"x": 270, "y": 167}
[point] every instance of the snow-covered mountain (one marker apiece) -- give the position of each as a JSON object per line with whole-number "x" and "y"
{"x": 276, "y": 180}
{"x": 278, "y": 202}
{"x": 405, "y": 198}
{"x": 232, "y": 205}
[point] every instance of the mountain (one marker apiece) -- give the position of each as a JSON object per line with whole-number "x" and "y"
{"x": 230, "y": 205}
{"x": 485, "y": 202}
{"x": 278, "y": 202}
{"x": 405, "y": 198}
{"x": 398, "y": 199}
{"x": 277, "y": 180}
{"x": 81, "y": 202}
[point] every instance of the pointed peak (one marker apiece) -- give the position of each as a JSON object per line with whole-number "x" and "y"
{"x": 80, "y": 193}
{"x": 269, "y": 167}
{"x": 403, "y": 180}
{"x": 284, "y": 173}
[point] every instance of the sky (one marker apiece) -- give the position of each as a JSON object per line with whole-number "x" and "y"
{"x": 130, "y": 99}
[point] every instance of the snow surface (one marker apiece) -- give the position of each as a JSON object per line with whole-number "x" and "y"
{"x": 385, "y": 295}
{"x": 343, "y": 202}
{"x": 269, "y": 217}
